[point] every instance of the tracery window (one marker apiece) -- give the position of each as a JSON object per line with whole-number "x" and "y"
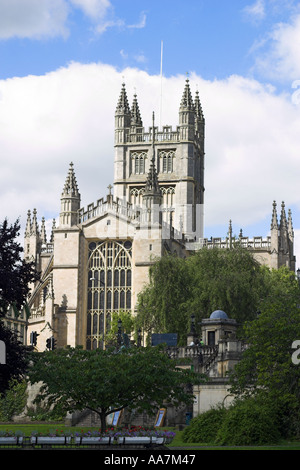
{"x": 136, "y": 196}
{"x": 166, "y": 161}
{"x": 138, "y": 162}
{"x": 168, "y": 196}
{"x": 109, "y": 287}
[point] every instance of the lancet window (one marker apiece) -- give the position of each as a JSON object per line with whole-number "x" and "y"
{"x": 166, "y": 161}
{"x": 136, "y": 196}
{"x": 138, "y": 162}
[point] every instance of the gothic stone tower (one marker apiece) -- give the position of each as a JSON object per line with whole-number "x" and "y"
{"x": 97, "y": 260}
{"x": 179, "y": 161}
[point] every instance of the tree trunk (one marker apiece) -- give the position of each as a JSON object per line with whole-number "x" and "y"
{"x": 102, "y": 415}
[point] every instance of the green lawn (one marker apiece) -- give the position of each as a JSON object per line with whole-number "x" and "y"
{"x": 177, "y": 442}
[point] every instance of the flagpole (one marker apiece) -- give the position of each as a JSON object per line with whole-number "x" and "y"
{"x": 161, "y": 69}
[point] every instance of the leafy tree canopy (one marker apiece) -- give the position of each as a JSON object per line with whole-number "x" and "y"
{"x": 127, "y": 327}
{"x": 162, "y": 305}
{"x": 16, "y": 359}
{"x": 230, "y": 280}
{"x": 15, "y": 273}
{"x": 106, "y": 381}
{"x": 266, "y": 365}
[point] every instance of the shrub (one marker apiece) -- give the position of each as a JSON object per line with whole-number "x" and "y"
{"x": 43, "y": 413}
{"x": 204, "y": 427}
{"x": 249, "y": 422}
{"x": 14, "y": 400}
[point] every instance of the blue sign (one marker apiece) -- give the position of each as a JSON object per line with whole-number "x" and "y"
{"x": 170, "y": 339}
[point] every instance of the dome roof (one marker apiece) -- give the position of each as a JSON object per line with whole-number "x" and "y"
{"x": 219, "y": 315}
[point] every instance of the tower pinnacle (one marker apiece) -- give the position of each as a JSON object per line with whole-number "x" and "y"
{"x": 152, "y": 186}
{"x": 274, "y": 222}
{"x": 123, "y": 105}
{"x": 187, "y": 100}
{"x": 70, "y": 187}
{"x": 136, "y": 119}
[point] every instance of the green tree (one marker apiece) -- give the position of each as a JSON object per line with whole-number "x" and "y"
{"x": 210, "y": 279}
{"x": 162, "y": 303}
{"x": 16, "y": 359}
{"x": 107, "y": 381}
{"x": 15, "y": 273}
{"x": 267, "y": 366}
{"x": 225, "y": 279}
{"x": 14, "y": 400}
{"x": 127, "y": 327}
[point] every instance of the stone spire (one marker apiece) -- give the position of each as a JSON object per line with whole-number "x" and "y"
{"x": 43, "y": 235}
{"x": 198, "y": 108}
{"x": 152, "y": 194}
{"x": 283, "y": 221}
{"x": 34, "y": 225}
{"x": 70, "y": 187}
{"x": 187, "y": 115}
{"x": 70, "y": 200}
{"x": 283, "y": 228}
{"x": 32, "y": 238}
{"x": 290, "y": 226}
{"x": 52, "y": 231}
{"x": 199, "y": 117}
{"x": 123, "y": 105}
{"x": 122, "y": 118}
{"x": 274, "y": 221}
{"x": 136, "y": 119}
{"x": 28, "y": 225}
{"x": 274, "y": 238}
{"x": 152, "y": 186}
{"x": 187, "y": 100}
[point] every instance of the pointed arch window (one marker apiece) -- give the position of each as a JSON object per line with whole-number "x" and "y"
{"x": 138, "y": 162}
{"x": 166, "y": 161}
{"x": 136, "y": 196}
{"x": 109, "y": 287}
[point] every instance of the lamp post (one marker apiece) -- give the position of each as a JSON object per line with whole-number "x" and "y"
{"x": 193, "y": 324}
{"x": 119, "y": 336}
{"x": 139, "y": 338}
{"x": 192, "y": 336}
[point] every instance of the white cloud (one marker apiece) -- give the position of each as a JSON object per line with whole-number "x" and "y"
{"x": 102, "y": 26}
{"x": 38, "y": 19}
{"x": 95, "y": 9}
{"x": 252, "y": 139}
{"x": 33, "y": 18}
{"x": 279, "y": 58}
{"x": 140, "y": 58}
{"x": 256, "y": 11}
{"x": 141, "y": 24}
{"x": 123, "y": 54}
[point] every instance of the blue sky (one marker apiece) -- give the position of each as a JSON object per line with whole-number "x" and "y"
{"x": 62, "y": 63}
{"x": 214, "y": 38}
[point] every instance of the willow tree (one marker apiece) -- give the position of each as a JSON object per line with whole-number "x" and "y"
{"x": 210, "y": 279}
{"x": 162, "y": 305}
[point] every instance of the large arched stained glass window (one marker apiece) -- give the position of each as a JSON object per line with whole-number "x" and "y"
{"x": 109, "y": 287}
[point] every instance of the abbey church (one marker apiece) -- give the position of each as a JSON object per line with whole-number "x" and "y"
{"x": 96, "y": 259}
